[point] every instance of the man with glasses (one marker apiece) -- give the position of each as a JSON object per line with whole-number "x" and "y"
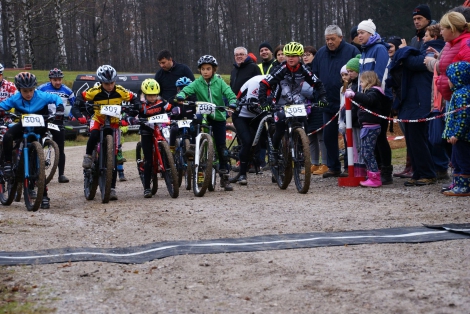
{"x": 243, "y": 69}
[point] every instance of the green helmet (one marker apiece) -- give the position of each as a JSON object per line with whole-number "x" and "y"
{"x": 293, "y": 49}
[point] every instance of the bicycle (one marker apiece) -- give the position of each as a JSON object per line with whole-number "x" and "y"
{"x": 162, "y": 159}
{"x": 183, "y": 153}
{"x": 51, "y": 152}
{"x": 294, "y": 153}
{"x": 103, "y": 156}
{"x": 28, "y": 165}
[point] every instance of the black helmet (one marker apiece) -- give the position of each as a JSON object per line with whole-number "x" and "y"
{"x": 106, "y": 74}
{"x": 55, "y": 73}
{"x": 25, "y": 80}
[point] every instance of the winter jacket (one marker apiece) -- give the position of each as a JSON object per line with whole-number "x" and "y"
{"x": 288, "y": 82}
{"x": 265, "y": 66}
{"x": 167, "y": 79}
{"x": 327, "y": 65}
{"x": 375, "y": 100}
{"x": 374, "y": 57}
{"x": 242, "y": 73}
{"x": 412, "y": 84}
{"x": 455, "y": 50}
{"x": 41, "y": 103}
{"x": 458, "y": 123}
{"x": 212, "y": 92}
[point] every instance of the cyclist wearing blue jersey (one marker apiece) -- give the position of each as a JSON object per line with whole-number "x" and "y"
{"x": 55, "y": 86}
{"x": 28, "y": 100}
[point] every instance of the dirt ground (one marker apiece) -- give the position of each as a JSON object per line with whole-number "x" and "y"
{"x": 378, "y": 278}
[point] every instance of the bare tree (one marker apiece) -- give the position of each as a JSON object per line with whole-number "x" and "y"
{"x": 12, "y": 33}
{"x": 63, "y": 64}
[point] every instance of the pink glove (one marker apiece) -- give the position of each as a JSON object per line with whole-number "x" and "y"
{"x": 82, "y": 120}
{"x": 349, "y": 93}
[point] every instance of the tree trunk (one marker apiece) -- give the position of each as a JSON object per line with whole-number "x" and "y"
{"x": 12, "y": 34}
{"x": 28, "y": 37}
{"x": 63, "y": 64}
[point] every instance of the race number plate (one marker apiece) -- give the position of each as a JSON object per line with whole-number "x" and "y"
{"x": 159, "y": 118}
{"x": 184, "y": 123}
{"x": 111, "y": 110}
{"x": 205, "y": 108}
{"x": 295, "y": 111}
{"x": 53, "y": 126}
{"x": 32, "y": 120}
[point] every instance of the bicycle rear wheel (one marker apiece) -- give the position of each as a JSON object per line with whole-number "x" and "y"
{"x": 106, "y": 169}
{"x": 202, "y": 173}
{"x": 169, "y": 172}
{"x": 34, "y": 185}
{"x": 188, "y": 166}
{"x": 91, "y": 176}
{"x": 51, "y": 158}
{"x": 234, "y": 146}
{"x": 301, "y": 160}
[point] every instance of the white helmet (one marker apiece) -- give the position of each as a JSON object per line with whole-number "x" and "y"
{"x": 1, "y": 68}
{"x": 106, "y": 74}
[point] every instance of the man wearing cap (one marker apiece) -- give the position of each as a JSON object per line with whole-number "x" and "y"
{"x": 326, "y": 65}
{"x": 266, "y": 54}
{"x": 7, "y": 89}
{"x": 421, "y": 19}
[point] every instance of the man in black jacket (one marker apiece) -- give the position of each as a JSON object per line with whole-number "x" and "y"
{"x": 243, "y": 69}
{"x": 169, "y": 73}
{"x": 327, "y": 65}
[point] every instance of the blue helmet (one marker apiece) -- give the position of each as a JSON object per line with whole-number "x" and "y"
{"x": 183, "y": 81}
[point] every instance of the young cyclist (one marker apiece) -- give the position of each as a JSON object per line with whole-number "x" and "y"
{"x": 28, "y": 100}
{"x": 7, "y": 89}
{"x": 152, "y": 105}
{"x": 55, "y": 86}
{"x": 287, "y": 79}
{"x": 107, "y": 93}
{"x": 212, "y": 88}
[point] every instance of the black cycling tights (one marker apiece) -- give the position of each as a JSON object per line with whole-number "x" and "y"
{"x": 147, "y": 148}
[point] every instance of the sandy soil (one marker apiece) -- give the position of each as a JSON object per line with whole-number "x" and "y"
{"x": 380, "y": 278}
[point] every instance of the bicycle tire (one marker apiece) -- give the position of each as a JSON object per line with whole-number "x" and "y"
{"x": 169, "y": 174}
{"x": 233, "y": 147}
{"x": 19, "y": 176}
{"x": 8, "y": 187}
{"x": 154, "y": 180}
{"x": 90, "y": 177}
{"x": 106, "y": 173}
{"x": 283, "y": 173}
{"x": 37, "y": 177}
{"x": 301, "y": 160}
{"x": 188, "y": 167}
{"x": 213, "y": 181}
{"x": 179, "y": 163}
{"x": 206, "y": 157}
{"x": 51, "y": 159}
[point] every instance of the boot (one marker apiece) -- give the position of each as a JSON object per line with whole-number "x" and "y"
{"x": 225, "y": 183}
{"x": 121, "y": 175}
{"x": 408, "y": 171}
{"x": 373, "y": 180}
{"x": 461, "y": 188}
{"x": 386, "y": 175}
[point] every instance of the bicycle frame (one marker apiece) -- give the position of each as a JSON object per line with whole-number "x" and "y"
{"x": 157, "y": 157}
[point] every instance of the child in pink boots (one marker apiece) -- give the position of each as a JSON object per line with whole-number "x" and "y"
{"x": 374, "y": 99}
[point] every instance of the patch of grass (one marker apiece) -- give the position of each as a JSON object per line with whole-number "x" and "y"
{"x": 399, "y": 156}
{"x": 129, "y": 155}
{"x": 43, "y": 75}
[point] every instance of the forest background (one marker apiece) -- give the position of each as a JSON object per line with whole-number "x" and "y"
{"x": 128, "y": 34}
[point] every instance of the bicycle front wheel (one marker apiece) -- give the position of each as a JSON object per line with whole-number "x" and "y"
{"x": 106, "y": 169}
{"x": 34, "y": 184}
{"x": 51, "y": 158}
{"x": 301, "y": 160}
{"x": 283, "y": 170}
{"x": 179, "y": 162}
{"x": 140, "y": 169}
{"x": 202, "y": 173}
{"x": 187, "y": 166}
{"x": 169, "y": 172}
